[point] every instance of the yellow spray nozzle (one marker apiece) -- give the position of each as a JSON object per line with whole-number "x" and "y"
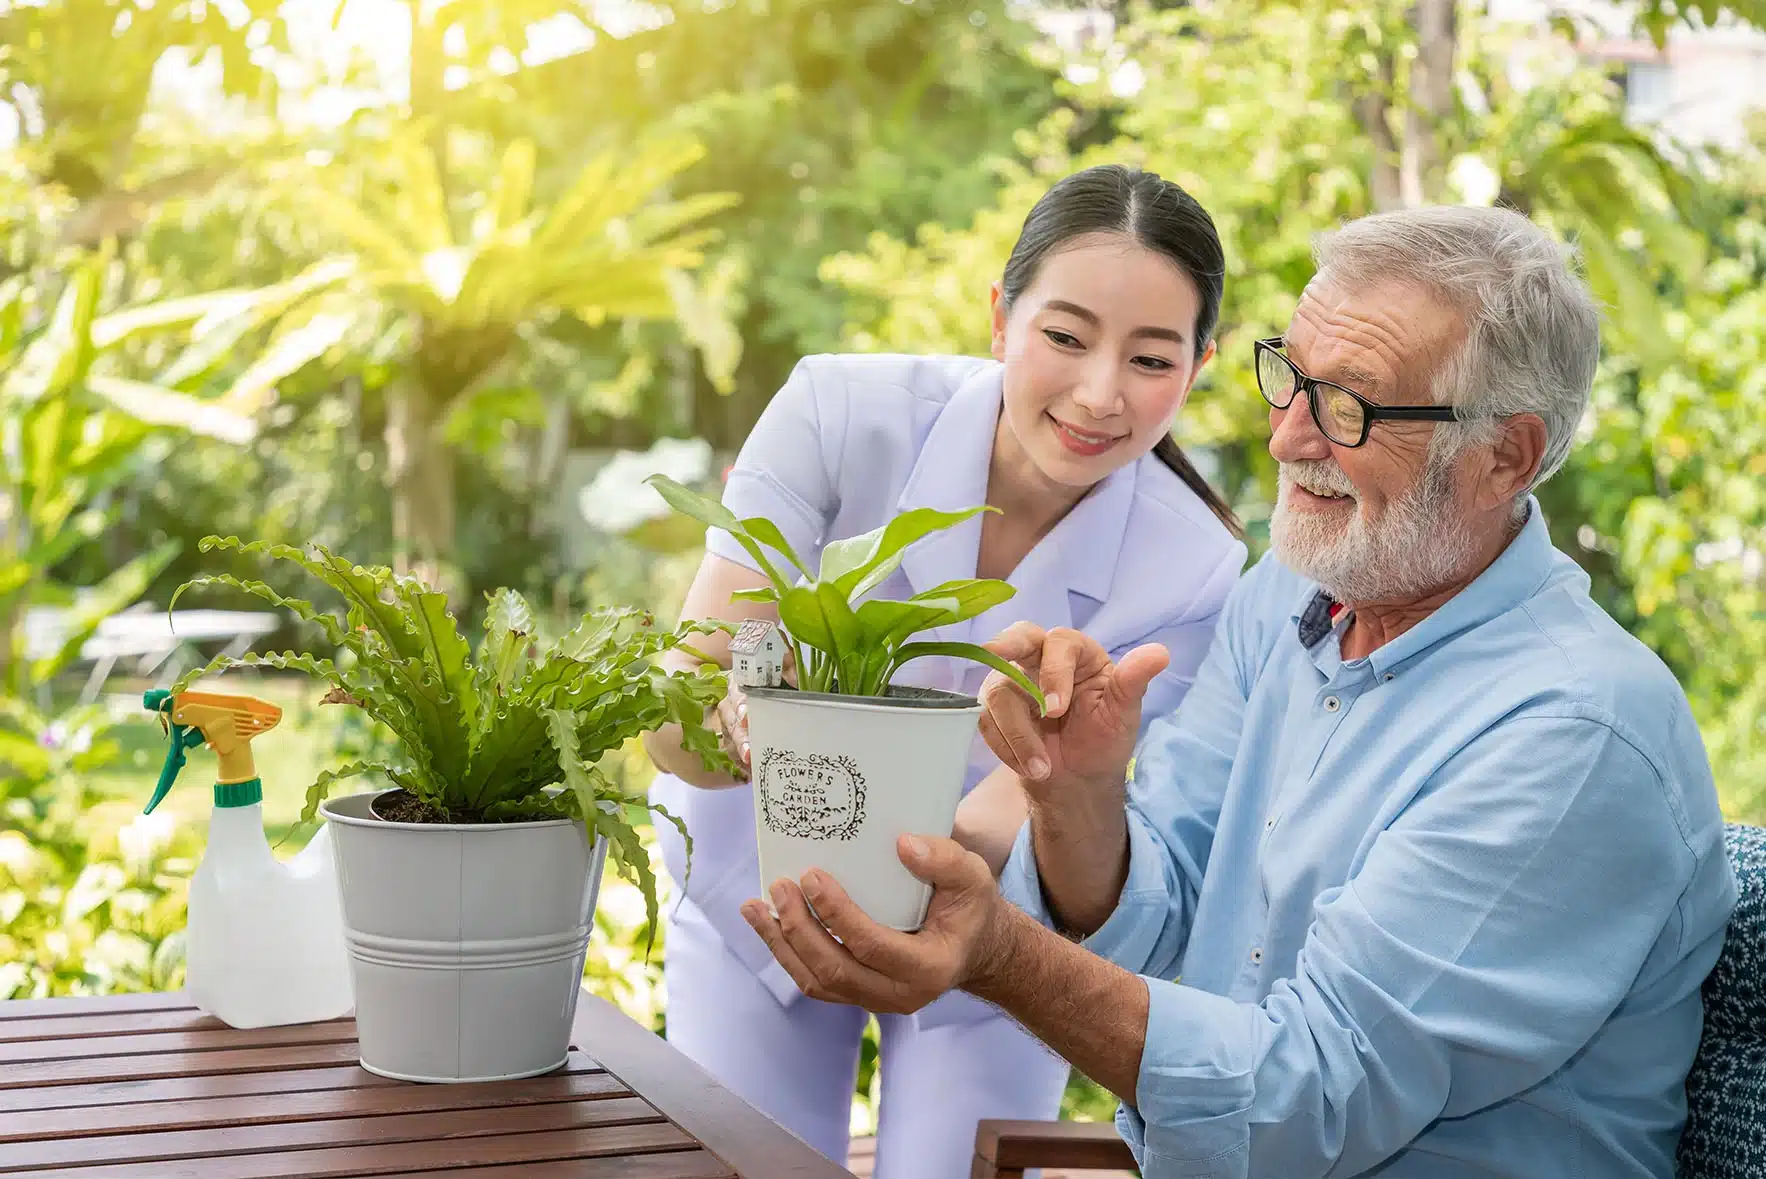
{"x": 226, "y": 723}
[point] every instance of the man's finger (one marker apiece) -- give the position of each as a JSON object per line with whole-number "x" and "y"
{"x": 838, "y": 975}
{"x": 990, "y": 733}
{"x": 1062, "y": 651}
{"x": 1138, "y": 669}
{"x": 1018, "y": 642}
{"x": 1010, "y": 711}
{"x": 767, "y": 926}
{"x": 943, "y": 863}
{"x": 901, "y": 957}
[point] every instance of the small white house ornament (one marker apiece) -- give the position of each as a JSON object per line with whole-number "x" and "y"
{"x": 757, "y": 655}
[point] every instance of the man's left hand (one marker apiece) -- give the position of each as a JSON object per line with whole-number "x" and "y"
{"x": 877, "y": 968}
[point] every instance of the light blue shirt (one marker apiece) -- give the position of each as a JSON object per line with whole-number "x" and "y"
{"x": 1442, "y": 911}
{"x": 851, "y": 440}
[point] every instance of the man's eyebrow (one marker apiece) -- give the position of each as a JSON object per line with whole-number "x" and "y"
{"x": 1091, "y": 317}
{"x": 1357, "y": 378}
{"x": 1349, "y": 374}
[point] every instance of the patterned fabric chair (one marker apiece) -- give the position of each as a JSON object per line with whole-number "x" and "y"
{"x": 1725, "y": 1134}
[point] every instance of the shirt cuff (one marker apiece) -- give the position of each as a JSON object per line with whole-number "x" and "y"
{"x": 1131, "y": 932}
{"x": 1194, "y": 1093}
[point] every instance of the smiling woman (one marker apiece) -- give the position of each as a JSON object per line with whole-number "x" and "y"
{"x": 1101, "y": 322}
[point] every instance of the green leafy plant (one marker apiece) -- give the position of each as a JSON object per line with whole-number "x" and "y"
{"x": 511, "y": 731}
{"x": 842, "y": 643}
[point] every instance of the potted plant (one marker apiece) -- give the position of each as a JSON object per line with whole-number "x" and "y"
{"x": 846, "y": 761}
{"x": 468, "y": 887}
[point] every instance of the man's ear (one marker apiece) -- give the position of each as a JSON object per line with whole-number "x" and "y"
{"x": 1515, "y": 459}
{"x": 996, "y": 303}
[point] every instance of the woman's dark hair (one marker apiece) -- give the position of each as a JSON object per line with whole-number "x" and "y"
{"x": 1156, "y": 214}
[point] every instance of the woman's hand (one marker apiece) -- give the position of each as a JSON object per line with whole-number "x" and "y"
{"x": 732, "y": 725}
{"x": 732, "y": 721}
{"x": 711, "y": 596}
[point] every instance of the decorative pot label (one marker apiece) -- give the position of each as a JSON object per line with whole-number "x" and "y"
{"x": 810, "y": 795}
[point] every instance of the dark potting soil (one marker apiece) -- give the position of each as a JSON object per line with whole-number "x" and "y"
{"x": 402, "y": 807}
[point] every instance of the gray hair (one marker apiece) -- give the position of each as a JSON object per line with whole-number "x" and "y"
{"x": 1532, "y": 337}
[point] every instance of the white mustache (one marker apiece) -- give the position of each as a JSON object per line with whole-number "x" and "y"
{"x": 1319, "y": 476}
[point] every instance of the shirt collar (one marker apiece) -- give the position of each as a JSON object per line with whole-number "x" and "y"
{"x": 1511, "y": 579}
{"x": 951, "y": 474}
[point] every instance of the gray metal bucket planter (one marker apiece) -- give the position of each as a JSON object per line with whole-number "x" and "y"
{"x": 466, "y": 941}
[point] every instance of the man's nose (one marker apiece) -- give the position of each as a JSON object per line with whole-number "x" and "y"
{"x": 1293, "y": 435}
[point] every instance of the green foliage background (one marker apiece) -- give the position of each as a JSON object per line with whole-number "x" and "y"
{"x": 236, "y": 315}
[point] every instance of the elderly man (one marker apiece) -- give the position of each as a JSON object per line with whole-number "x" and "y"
{"x": 1423, "y": 877}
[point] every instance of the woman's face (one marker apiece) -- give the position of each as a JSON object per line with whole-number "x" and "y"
{"x": 1099, "y": 354}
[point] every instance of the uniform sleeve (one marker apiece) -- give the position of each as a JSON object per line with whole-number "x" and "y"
{"x": 785, "y": 469}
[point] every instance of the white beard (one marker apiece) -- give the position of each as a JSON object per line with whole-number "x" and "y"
{"x": 1417, "y": 544}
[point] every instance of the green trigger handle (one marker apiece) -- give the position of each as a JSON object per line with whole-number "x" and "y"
{"x": 183, "y": 737}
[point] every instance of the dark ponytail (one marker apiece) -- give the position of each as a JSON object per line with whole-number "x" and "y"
{"x": 1171, "y": 454}
{"x": 1158, "y": 215}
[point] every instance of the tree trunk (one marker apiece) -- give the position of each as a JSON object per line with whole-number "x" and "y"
{"x": 421, "y": 469}
{"x": 419, "y": 461}
{"x": 1422, "y": 174}
{"x": 1373, "y": 112}
{"x": 429, "y": 61}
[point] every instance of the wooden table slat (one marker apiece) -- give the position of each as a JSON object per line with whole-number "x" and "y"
{"x": 90, "y": 1004}
{"x": 677, "y": 1164}
{"x": 253, "y": 1110}
{"x": 148, "y": 1087}
{"x": 119, "y": 1023}
{"x": 398, "y": 1157}
{"x": 341, "y": 1031}
{"x": 351, "y": 1132}
{"x": 752, "y": 1144}
{"x": 154, "y": 1089}
{"x": 178, "y": 1064}
{"x": 189, "y": 1088}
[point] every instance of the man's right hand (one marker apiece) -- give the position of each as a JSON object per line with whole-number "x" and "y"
{"x": 1094, "y": 709}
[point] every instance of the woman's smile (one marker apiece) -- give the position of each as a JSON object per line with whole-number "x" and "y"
{"x": 1083, "y": 442}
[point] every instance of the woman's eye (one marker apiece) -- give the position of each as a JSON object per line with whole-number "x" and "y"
{"x": 1156, "y": 364}
{"x": 1060, "y": 339}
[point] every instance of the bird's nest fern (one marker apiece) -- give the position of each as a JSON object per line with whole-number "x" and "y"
{"x": 510, "y": 731}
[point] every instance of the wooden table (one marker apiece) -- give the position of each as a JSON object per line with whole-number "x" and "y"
{"x": 147, "y": 1087}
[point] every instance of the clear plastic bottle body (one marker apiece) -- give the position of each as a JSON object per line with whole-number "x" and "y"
{"x": 264, "y": 944}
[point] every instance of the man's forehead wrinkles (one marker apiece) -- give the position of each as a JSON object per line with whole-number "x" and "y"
{"x": 1334, "y": 351}
{"x": 1372, "y": 343}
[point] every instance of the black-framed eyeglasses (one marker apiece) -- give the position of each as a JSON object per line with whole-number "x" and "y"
{"x": 1342, "y": 415}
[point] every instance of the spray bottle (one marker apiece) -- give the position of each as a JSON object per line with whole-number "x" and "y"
{"x": 264, "y": 944}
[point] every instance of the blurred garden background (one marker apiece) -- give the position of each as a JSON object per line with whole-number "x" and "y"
{"x": 438, "y": 282}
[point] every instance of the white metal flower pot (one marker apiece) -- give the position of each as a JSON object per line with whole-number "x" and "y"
{"x": 838, "y": 779}
{"x": 466, "y": 941}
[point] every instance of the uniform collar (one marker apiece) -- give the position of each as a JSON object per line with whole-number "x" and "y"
{"x": 1079, "y": 554}
{"x": 1511, "y": 579}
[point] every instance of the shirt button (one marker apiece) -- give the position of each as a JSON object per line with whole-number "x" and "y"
{"x": 1331, "y": 703}
{"x": 1257, "y": 956}
{"x": 1389, "y": 677}
{"x": 1269, "y": 824}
